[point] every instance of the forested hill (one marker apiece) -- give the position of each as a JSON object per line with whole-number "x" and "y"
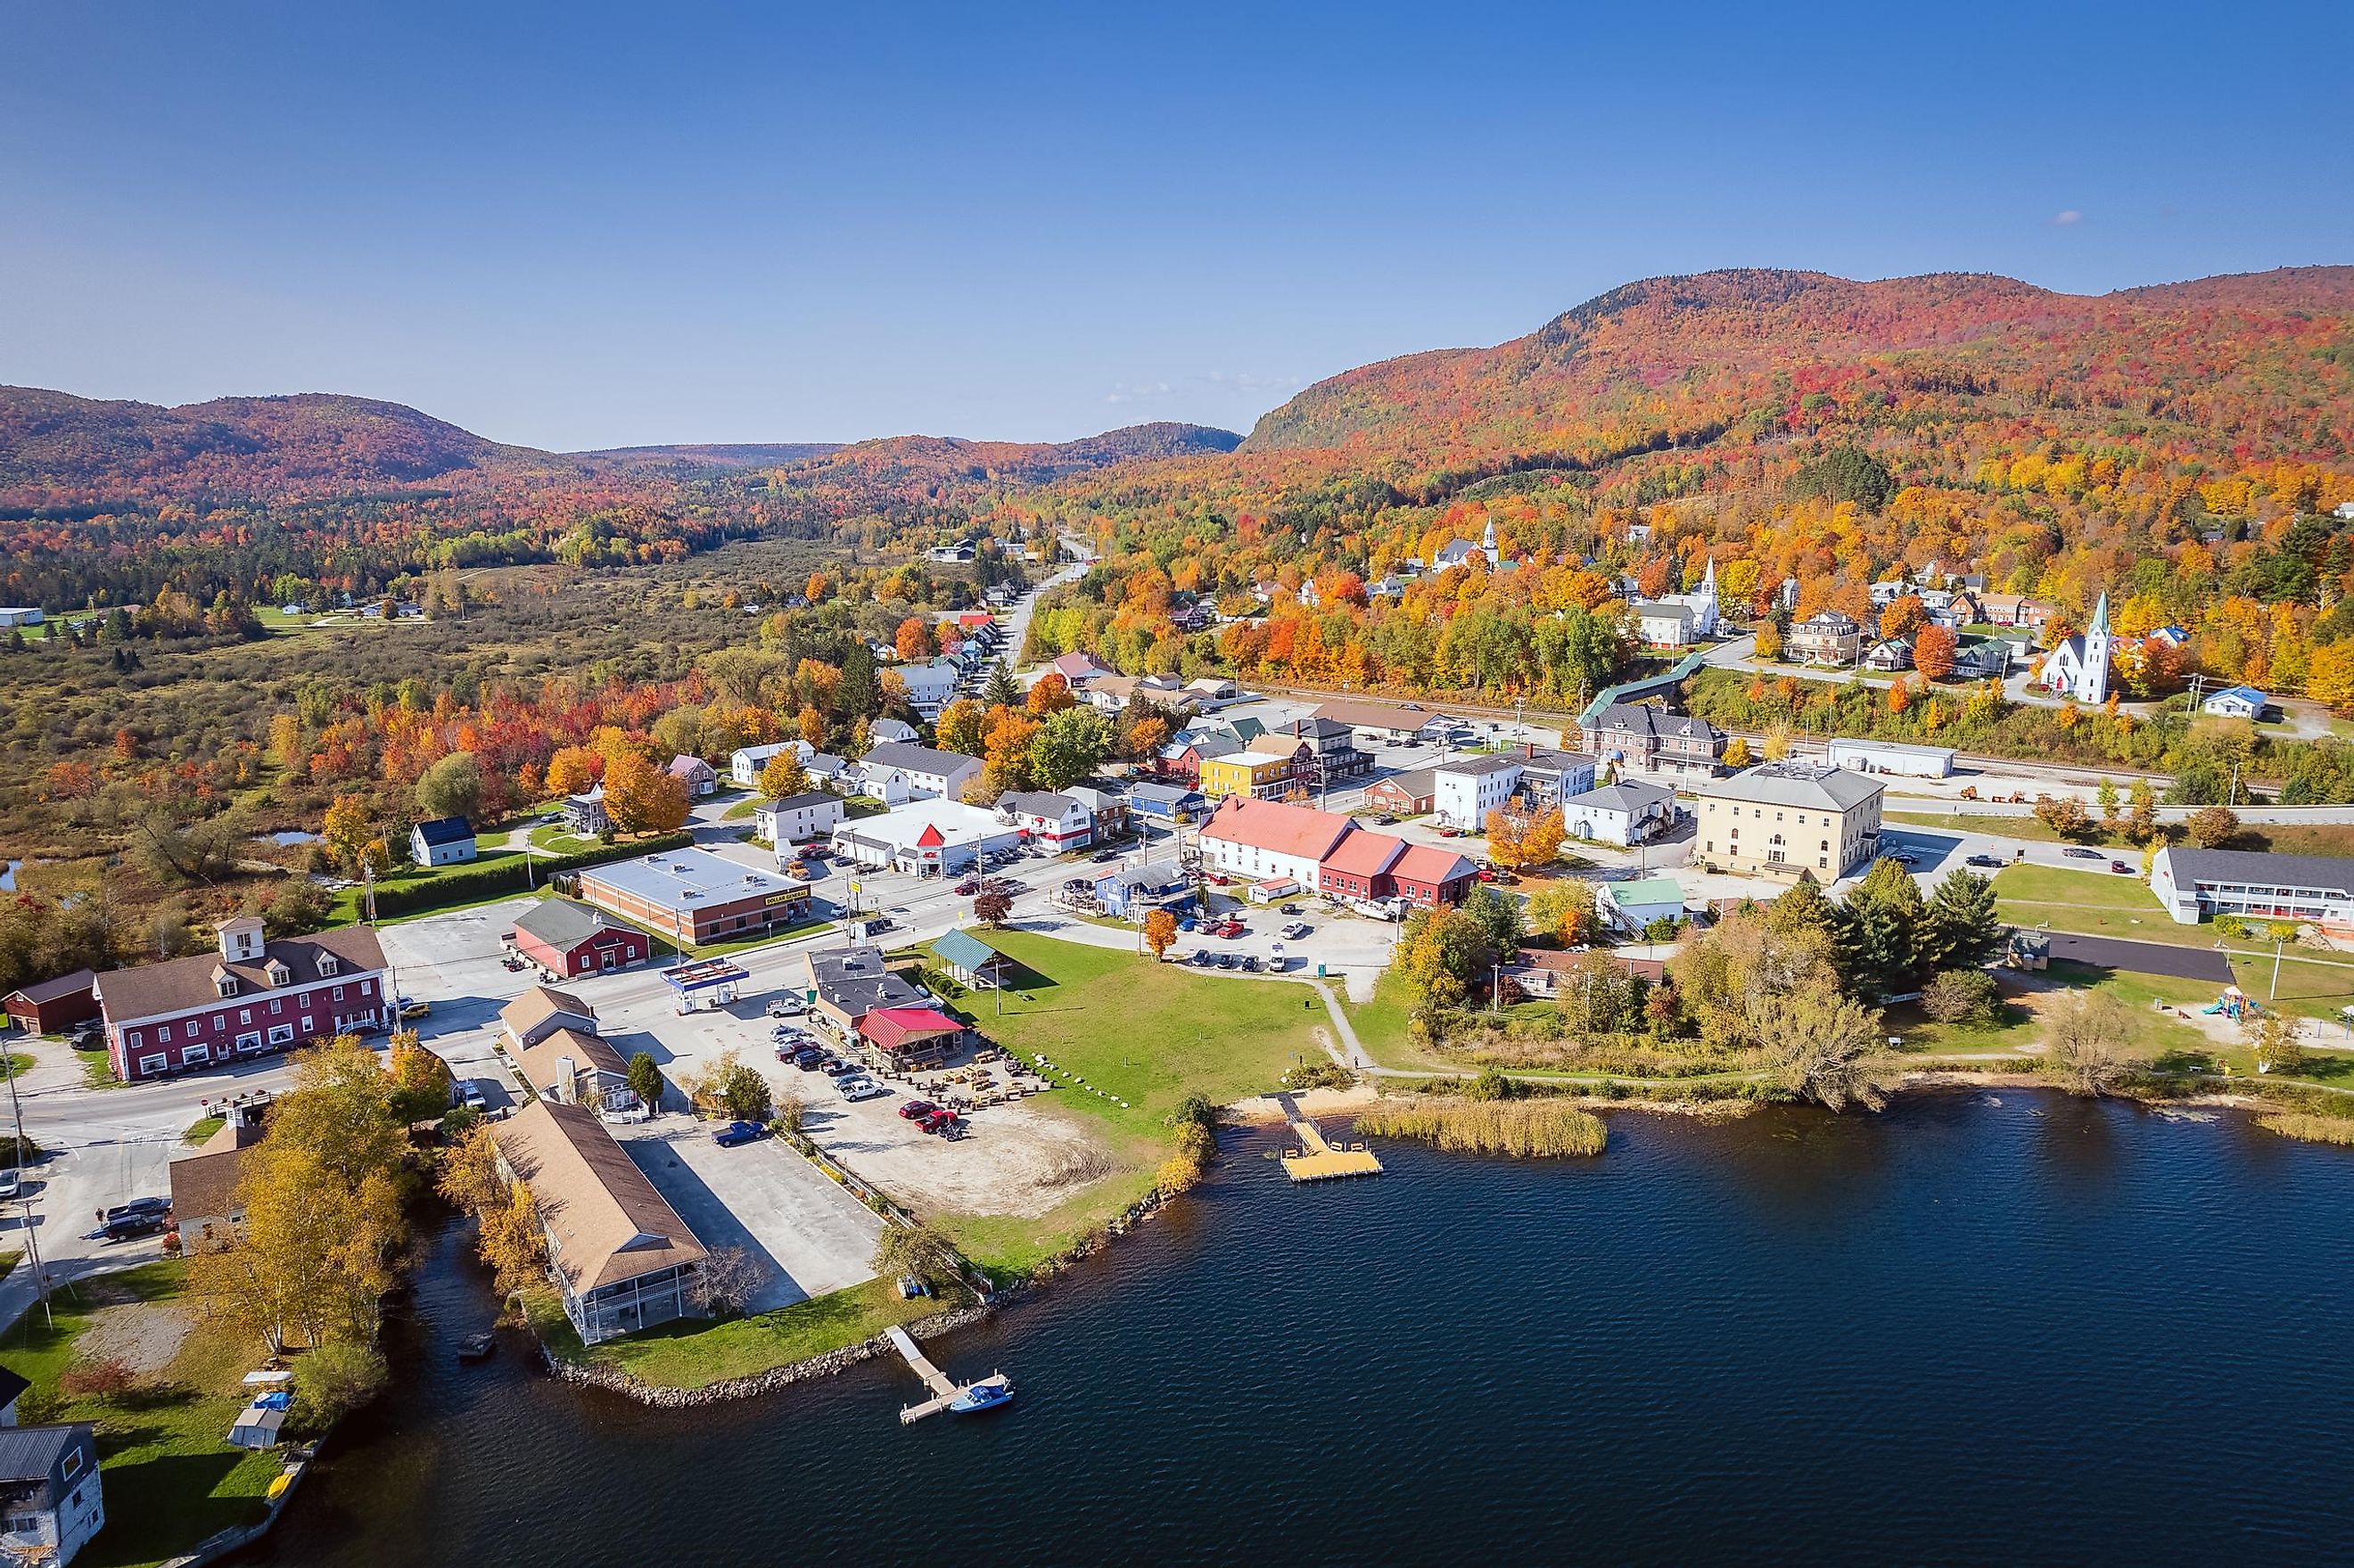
{"x": 60, "y": 449}
{"x": 57, "y": 450}
{"x": 2260, "y": 365}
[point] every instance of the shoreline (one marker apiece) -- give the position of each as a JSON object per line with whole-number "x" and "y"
{"x": 1260, "y": 1111}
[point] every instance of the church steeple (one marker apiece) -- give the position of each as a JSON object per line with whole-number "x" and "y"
{"x": 1487, "y": 544}
{"x": 2101, "y": 617}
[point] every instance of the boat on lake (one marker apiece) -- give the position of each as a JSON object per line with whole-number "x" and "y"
{"x": 476, "y": 1347}
{"x": 981, "y": 1396}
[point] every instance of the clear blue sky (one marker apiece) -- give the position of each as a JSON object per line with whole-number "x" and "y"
{"x": 592, "y": 225}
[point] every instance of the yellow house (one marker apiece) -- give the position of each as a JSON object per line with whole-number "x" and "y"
{"x": 1259, "y": 774}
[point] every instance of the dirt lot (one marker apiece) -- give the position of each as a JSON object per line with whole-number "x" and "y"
{"x": 143, "y": 1338}
{"x": 1020, "y": 1159}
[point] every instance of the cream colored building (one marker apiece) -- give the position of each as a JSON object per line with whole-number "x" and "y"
{"x": 1784, "y": 818}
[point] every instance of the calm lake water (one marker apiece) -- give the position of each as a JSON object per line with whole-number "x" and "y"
{"x": 1977, "y": 1328}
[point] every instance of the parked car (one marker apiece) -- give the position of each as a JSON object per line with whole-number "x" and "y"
{"x": 800, "y": 868}
{"x": 129, "y": 1227}
{"x": 1187, "y": 923}
{"x": 878, "y": 923}
{"x": 1227, "y": 960}
{"x": 2078, "y": 851}
{"x": 470, "y": 1095}
{"x": 1250, "y": 962}
{"x": 808, "y": 1058}
{"x": 1232, "y": 930}
{"x": 862, "y": 1088}
{"x": 938, "y": 1120}
{"x": 788, "y": 1007}
{"x": 11, "y": 1184}
{"x": 1901, "y": 857}
{"x": 836, "y": 1068}
{"x": 1984, "y": 860}
{"x": 1291, "y": 909}
{"x": 1104, "y": 856}
{"x": 1297, "y": 930}
{"x": 1202, "y": 958}
{"x": 410, "y": 1007}
{"x": 2121, "y": 868}
{"x": 916, "y": 1111}
{"x": 1384, "y": 820}
{"x": 736, "y": 1132}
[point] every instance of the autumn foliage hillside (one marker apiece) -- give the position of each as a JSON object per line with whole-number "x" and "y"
{"x": 2223, "y": 368}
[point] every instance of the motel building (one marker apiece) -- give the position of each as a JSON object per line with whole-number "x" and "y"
{"x": 696, "y": 897}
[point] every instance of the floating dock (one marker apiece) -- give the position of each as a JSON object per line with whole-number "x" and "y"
{"x": 944, "y": 1391}
{"x": 1317, "y": 1159}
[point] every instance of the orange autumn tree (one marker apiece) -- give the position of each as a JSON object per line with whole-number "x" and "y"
{"x": 1933, "y": 651}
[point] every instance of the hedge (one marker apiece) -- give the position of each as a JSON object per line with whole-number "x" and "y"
{"x": 471, "y": 884}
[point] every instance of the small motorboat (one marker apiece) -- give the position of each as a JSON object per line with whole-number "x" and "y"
{"x": 477, "y": 1347}
{"x": 981, "y": 1396}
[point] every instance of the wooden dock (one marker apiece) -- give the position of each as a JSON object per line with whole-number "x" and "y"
{"x": 944, "y": 1391}
{"x": 1318, "y": 1160}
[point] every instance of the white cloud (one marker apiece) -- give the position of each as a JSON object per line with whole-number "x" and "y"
{"x": 1140, "y": 392}
{"x": 2066, "y": 219}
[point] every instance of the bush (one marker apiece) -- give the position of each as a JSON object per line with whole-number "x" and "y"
{"x": 1324, "y": 1073}
{"x": 1490, "y": 1085}
{"x": 104, "y": 1378}
{"x": 1961, "y": 996}
{"x": 332, "y": 1381}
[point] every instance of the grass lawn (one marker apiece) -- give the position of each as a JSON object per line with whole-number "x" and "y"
{"x": 695, "y": 1355}
{"x": 9, "y": 1260}
{"x": 2321, "y": 838}
{"x": 1008, "y": 1247}
{"x": 1381, "y": 1026}
{"x": 2151, "y": 1033}
{"x": 740, "y": 812}
{"x": 348, "y": 907}
{"x": 98, "y": 1070}
{"x": 171, "y": 1478}
{"x": 1146, "y": 1033}
{"x": 2102, "y": 905}
{"x": 1149, "y": 1033}
{"x": 201, "y": 1130}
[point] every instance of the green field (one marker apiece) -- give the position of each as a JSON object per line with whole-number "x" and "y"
{"x": 696, "y": 1355}
{"x": 1148, "y": 1033}
{"x": 171, "y": 1478}
{"x": 2101, "y": 904}
{"x": 2153, "y": 1033}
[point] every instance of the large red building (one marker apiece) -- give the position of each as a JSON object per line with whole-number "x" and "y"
{"x": 252, "y": 997}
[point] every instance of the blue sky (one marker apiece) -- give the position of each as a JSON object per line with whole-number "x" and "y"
{"x": 595, "y": 225}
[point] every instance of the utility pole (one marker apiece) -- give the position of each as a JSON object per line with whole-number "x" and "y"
{"x": 2273, "y": 995}
{"x": 25, "y": 1198}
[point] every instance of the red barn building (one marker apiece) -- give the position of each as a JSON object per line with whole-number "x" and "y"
{"x": 1428, "y": 876}
{"x": 566, "y": 939}
{"x": 54, "y": 1006}
{"x": 252, "y": 997}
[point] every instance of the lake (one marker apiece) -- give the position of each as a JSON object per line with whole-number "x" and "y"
{"x": 1979, "y": 1327}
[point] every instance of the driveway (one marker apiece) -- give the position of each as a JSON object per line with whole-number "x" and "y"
{"x": 2142, "y": 958}
{"x": 808, "y": 1234}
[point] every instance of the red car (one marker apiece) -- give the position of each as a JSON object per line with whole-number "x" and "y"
{"x": 916, "y": 1111}
{"x": 938, "y": 1121}
{"x": 1486, "y": 874}
{"x": 966, "y": 888}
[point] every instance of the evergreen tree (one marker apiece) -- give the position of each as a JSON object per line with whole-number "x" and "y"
{"x": 858, "y": 696}
{"x": 1879, "y": 932}
{"x": 1959, "y": 927}
{"x": 1804, "y": 907}
{"x": 1002, "y": 692}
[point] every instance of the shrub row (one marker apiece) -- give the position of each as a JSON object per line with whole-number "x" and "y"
{"x": 465, "y": 884}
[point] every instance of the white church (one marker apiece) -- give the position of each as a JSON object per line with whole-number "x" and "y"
{"x": 1675, "y": 620}
{"x": 1460, "y": 551}
{"x": 2079, "y": 667}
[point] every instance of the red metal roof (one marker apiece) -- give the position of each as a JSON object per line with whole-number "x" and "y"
{"x": 1431, "y": 866}
{"x": 890, "y": 1027}
{"x": 1277, "y": 826}
{"x": 1364, "y": 854}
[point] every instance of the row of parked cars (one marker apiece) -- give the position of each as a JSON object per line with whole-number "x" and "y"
{"x": 797, "y": 1048}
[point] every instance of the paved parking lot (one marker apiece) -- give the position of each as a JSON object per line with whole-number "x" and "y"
{"x": 798, "y": 1224}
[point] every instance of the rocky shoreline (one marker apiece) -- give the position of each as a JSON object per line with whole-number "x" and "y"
{"x": 614, "y": 1380}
